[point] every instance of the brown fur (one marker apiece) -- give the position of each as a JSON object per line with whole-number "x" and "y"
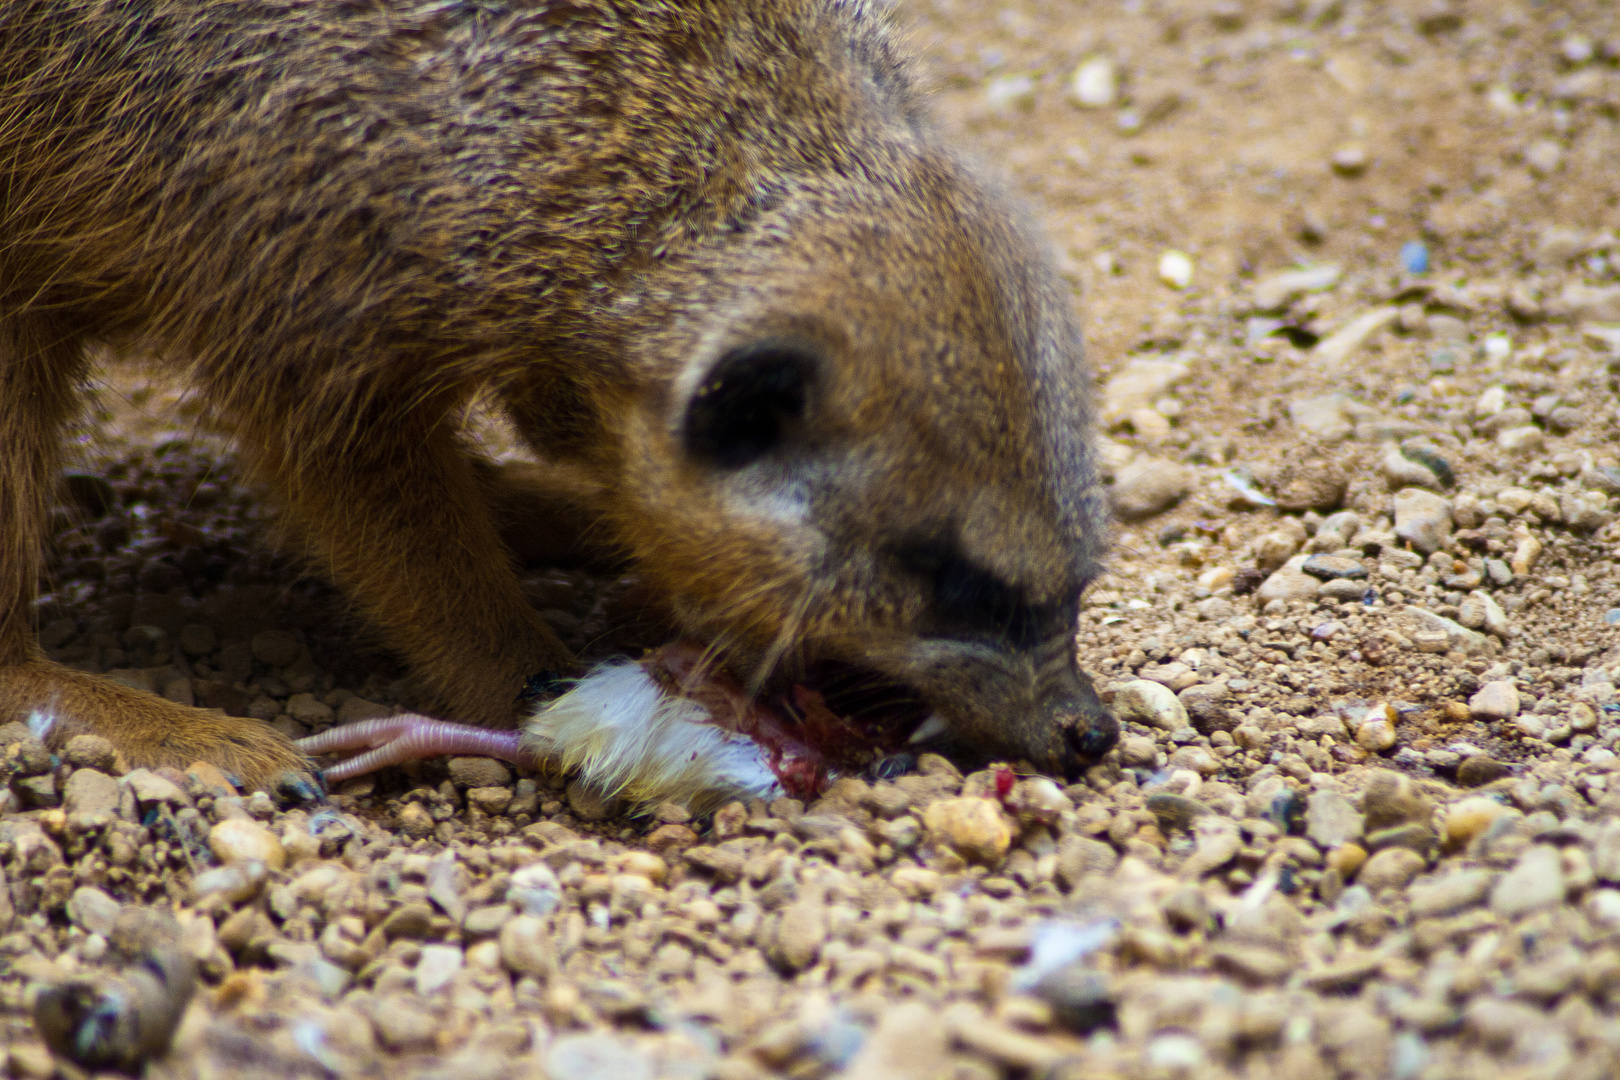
{"x": 342, "y": 220}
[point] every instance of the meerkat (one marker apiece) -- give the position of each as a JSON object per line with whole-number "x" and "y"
{"x": 795, "y": 361}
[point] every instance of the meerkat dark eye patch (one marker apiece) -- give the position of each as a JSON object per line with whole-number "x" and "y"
{"x": 971, "y": 600}
{"x": 748, "y": 403}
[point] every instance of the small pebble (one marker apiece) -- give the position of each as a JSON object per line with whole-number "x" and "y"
{"x": 1150, "y": 703}
{"x": 1536, "y": 881}
{"x": 435, "y": 968}
{"x": 90, "y": 793}
{"x": 1148, "y": 486}
{"x": 974, "y": 828}
{"x": 1176, "y": 269}
{"x": 1479, "y": 770}
{"x": 1469, "y": 818}
{"x": 1391, "y": 868}
{"x": 1331, "y": 819}
{"x": 1095, "y": 84}
{"x": 239, "y": 840}
{"x": 1415, "y": 257}
{"x": 596, "y": 1057}
{"x": 1422, "y": 518}
{"x": 1495, "y": 701}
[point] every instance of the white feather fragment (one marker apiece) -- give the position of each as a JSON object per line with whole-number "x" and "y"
{"x": 40, "y": 723}
{"x": 929, "y": 728}
{"x": 626, "y": 735}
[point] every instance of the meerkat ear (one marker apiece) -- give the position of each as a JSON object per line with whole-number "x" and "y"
{"x": 749, "y": 403}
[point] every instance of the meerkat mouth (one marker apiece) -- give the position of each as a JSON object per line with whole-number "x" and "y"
{"x": 836, "y": 719}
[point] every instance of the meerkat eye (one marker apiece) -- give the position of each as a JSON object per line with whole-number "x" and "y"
{"x": 748, "y": 403}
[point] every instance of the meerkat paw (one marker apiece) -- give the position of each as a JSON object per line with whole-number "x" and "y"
{"x": 58, "y": 703}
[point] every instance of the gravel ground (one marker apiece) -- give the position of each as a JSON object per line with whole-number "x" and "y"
{"x": 1347, "y": 275}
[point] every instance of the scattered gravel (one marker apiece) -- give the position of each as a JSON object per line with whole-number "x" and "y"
{"x": 1359, "y": 629}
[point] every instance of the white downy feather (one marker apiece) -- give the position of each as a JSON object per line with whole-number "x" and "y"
{"x": 626, "y": 735}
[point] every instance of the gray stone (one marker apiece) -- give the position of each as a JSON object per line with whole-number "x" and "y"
{"x": 149, "y": 787}
{"x": 800, "y": 935}
{"x": 1584, "y": 512}
{"x": 527, "y": 947}
{"x": 1149, "y": 486}
{"x": 1391, "y": 799}
{"x": 1331, "y": 819}
{"x": 596, "y": 1057}
{"x": 1288, "y": 582}
{"x": 436, "y": 966}
{"x": 1422, "y": 519}
{"x": 1080, "y": 856}
{"x": 1342, "y": 589}
{"x": 1448, "y": 895}
{"x": 589, "y": 803}
{"x": 476, "y": 772}
{"x": 90, "y": 792}
{"x": 1526, "y": 439}
{"x": 1206, "y": 705}
{"x": 1137, "y": 386}
{"x": 1606, "y": 852}
{"x": 1217, "y": 842}
{"x": 1392, "y": 868}
{"x": 310, "y": 711}
{"x": 1423, "y": 626}
{"x": 275, "y": 648}
{"x": 1138, "y": 752}
{"x": 1401, "y": 471}
{"x": 1536, "y": 881}
{"x": 1496, "y": 700}
{"x": 1151, "y": 703}
{"x": 1480, "y": 611}
{"x": 92, "y": 910}
{"x": 1327, "y": 416}
{"x": 484, "y": 921}
{"x": 1333, "y": 567}
{"x": 91, "y": 752}
{"x": 1276, "y": 291}
{"x": 197, "y": 640}
{"x": 909, "y": 1043}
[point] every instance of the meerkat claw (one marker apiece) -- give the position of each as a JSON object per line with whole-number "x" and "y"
{"x": 394, "y": 740}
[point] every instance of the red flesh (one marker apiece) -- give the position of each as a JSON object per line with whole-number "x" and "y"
{"x": 687, "y": 669}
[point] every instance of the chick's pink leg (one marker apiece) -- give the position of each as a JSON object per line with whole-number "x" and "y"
{"x": 394, "y": 740}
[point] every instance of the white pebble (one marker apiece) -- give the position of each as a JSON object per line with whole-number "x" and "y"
{"x": 1176, "y": 269}
{"x": 1096, "y": 83}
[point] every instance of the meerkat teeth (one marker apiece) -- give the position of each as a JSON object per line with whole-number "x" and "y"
{"x": 627, "y": 735}
{"x": 929, "y": 728}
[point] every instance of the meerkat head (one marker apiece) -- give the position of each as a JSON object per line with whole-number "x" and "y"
{"x": 861, "y": 443}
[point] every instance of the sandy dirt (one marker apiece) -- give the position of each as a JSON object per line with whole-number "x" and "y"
{"x": 1349, "y": 278}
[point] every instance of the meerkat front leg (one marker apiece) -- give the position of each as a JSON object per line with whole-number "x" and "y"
{"x": 395, "y": 513}
{"x": 546, "y": 514}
